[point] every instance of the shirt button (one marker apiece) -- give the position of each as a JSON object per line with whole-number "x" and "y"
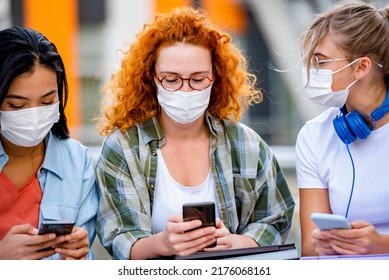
{"x": 42, "y": 171}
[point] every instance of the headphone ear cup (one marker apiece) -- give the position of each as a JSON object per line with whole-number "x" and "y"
{"x": 343, "y": 130}
{"x": 350, "y": 126}
{"x": 358, "y": 125}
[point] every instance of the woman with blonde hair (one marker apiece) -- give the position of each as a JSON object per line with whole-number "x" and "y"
{"x": 174, "y": 137}
{"x": 342, "y": 155}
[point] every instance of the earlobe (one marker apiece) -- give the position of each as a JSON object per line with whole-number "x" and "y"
{"x": 363, "y": 67}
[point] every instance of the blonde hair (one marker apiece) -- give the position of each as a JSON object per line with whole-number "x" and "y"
{"x": 132, "y": 90}
{"x": 360, "y": 30}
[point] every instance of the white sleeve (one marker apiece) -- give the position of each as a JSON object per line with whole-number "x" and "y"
{"x": 307, "y": 165}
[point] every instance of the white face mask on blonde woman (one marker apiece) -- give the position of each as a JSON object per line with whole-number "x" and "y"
{"x": 319, "y": 87}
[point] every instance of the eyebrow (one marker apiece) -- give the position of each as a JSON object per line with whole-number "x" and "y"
{"x": 15, "y": 96}
{"x": 177, "y": 74}
{"x": 318, "y": 54}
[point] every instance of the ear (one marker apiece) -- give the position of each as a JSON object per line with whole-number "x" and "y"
{"x": 154, "y": 82}
{"x": 363, "y": 67}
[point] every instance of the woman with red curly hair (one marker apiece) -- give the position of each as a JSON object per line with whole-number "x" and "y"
{"x": 174, "y": 137}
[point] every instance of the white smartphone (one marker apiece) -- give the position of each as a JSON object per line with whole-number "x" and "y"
{"x": 330, "y": 221}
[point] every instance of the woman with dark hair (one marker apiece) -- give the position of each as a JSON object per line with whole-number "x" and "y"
{"x": 175, "y": 137}
{"x": 44, "y": 174}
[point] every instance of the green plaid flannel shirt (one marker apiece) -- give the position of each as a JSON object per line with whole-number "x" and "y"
{"x": 253, "y": 195}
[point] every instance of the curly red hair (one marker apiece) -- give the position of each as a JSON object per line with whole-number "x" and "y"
{"x": 132, "y": 91}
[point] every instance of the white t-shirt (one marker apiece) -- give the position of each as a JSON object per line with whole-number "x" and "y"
{"x": 323, "y": 162}
{"x": 169, "y": 196}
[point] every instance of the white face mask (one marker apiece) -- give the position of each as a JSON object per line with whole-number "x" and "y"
{"x": 28, "y": 127}
{"x": 184, "y": 107}
{"x": 319, "y": 88}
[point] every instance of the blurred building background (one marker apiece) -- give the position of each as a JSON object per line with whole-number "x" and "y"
{"x": 90, "y": 35}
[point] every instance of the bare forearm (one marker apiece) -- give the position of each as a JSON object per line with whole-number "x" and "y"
{"x": 308, "y": 250}
{"x": 242, "y": 241}
{"x": 147, "y": 247}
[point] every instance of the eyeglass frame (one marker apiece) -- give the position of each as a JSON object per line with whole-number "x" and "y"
{"x": 318, "y": 62}
{"x": 182, "y": 81}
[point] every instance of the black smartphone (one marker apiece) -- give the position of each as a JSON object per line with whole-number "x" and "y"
{"x": 62, "y": 227}
{"x": 203, "y": 211}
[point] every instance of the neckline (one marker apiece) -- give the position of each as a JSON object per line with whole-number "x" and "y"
{"x": 166, "y": 170}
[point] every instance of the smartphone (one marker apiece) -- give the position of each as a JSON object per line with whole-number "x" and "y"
{"x": 203, "y": 211}
{"x": 61, "y": 227}
{"x": 325, "y": 221}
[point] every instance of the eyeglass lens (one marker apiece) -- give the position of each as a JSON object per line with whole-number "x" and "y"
{"x": 196, "y": 82}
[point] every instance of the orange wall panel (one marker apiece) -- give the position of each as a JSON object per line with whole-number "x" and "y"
{"x": 162, "y": 6}
{"x": 58, "y": 21}
{"x": 228, "y": 14}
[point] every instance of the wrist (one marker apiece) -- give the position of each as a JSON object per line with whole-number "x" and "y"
{"x": 242, "y": 241}
{"x": 164, "y": 249}
{"x": 146, "y": 247}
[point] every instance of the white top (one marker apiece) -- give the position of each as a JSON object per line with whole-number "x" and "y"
{"x": 322, "y": 161}
{"x": 169, "y": 195}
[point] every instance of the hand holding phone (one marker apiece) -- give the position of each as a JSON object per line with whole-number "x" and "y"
{"x": 203, "y": 211}
{"x": 61, "y": 227}
{"x": 325, "y": 221}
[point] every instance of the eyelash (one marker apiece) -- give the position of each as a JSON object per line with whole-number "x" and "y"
{"x": 17, "y": 107}
{"x": 48, "y": 103}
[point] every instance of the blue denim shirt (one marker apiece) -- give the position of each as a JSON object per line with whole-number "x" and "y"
{"x": 68, "y": 183}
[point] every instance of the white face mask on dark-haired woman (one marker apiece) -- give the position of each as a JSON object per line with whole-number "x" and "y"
{"x": 28, "y": 127}
{"x": 184, "y": 107}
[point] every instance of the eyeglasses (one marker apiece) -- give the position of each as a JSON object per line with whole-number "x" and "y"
{"x": 174, "y": 82}
{"x": 315, "y": 64}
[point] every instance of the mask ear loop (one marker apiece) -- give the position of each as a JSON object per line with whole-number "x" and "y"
{"x": 350, "y": 85}
{"x": 344, "y": 67}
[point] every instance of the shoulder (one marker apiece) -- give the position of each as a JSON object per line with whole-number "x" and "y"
{"x": 134, "y": 136}
{"x": 119, "y": 146}
{"x": 245, "y": 140}
{"x": 321, "y": 124}
{"x": 318, "y": 135}
{"x": 324, "y": 119}
{"x": 235, "y": 133}
{"x": 112, "y": 146}
{"x": 240, "y": 131}
{"x": 68, "y": 146}
{"x": 65, "y": 152}
{"x": 113, "y": 138}
{"x": 326, "y": 116}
